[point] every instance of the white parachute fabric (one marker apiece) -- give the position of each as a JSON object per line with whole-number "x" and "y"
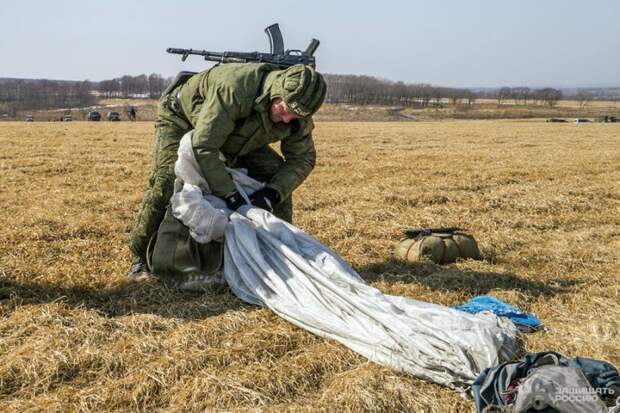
{"x": 204, "y": 214}
{"x": 205, "y": 222}
{"x": 271, "y": 263}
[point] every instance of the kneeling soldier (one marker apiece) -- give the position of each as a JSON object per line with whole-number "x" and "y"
{"x": 236, "y": 110}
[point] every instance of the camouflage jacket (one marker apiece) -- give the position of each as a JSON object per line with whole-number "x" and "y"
{"x": 228, "y": 107}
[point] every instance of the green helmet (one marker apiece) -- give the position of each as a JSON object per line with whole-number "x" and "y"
{"x": 301, "y": 87}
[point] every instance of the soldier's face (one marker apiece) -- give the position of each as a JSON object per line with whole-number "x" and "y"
{"x": 279, "y": 112}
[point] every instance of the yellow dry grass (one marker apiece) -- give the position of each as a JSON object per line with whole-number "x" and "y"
{"x": 482, "y": 109}
{"x": 122, "y": 102}
{"x": 566, "y": 103}
{"x": 75, "y": 335}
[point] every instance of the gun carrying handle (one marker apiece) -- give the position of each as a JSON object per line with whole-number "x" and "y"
{"x": 314, "y": 44}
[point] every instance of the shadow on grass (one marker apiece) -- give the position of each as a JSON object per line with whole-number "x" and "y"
{"x": 151, "y": 297}
{"x": 145, "y": 297}
{"x": 450, "y": 278}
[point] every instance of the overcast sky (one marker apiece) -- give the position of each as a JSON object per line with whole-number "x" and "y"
{"x": 461, "y": 43}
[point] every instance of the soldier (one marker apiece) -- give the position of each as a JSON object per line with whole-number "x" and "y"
{"x": 132, "y": 113}
{"x": 236, "y": 110}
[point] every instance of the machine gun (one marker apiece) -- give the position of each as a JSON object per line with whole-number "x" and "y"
{"x": 414, "y": 232}
{"x": 277, "y": 55}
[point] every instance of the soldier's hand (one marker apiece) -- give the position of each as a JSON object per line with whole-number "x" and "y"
{"x": 234, "y": 200}
{"x": 265, "y": 198}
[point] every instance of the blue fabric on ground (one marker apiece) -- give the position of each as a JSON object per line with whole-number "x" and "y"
{"x": 524, "y": 321}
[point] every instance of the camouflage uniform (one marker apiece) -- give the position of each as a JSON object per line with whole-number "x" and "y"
{"x": 227, "y": 106}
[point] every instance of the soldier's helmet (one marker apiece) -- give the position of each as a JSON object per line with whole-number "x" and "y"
{"x": 302, "y": 88}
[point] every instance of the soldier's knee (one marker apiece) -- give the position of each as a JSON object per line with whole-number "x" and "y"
{"x": 275, "y": 161}
{"x": 268, "y": 166}
{"x": 162, "y": 188}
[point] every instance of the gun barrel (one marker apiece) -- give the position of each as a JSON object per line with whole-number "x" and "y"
{"x": 175, "y": 50}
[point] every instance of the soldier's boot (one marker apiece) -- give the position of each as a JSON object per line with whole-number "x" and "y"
{"x": 138, "y": 270}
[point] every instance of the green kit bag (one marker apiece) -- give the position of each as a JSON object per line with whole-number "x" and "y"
{"x": 180, "y": 261}
{"x": 440, "y": 245}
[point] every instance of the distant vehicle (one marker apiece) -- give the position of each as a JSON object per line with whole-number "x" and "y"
{"x": 67, "y": 118}
{"x": 94, "y": 116}
{"x": 29, "y": 118}
{"x": 114, "y": 116}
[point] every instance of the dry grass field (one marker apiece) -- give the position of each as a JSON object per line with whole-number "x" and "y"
{"x": 75, "y": 335}
{"x": 483, "y": 109}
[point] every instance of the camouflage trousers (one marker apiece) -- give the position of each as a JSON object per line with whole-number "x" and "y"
{"x": 262, "y": 164}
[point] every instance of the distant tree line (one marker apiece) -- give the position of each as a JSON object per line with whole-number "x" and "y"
{"x": 31, "y": 94}
{"x": 27, "y": 94}
{"x": 368, "y": 90}
{"x": 127, "y": 86}
{"x": 523, "y": 95}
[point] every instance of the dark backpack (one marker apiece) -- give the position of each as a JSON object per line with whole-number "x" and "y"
{"x": 176, "y": 258}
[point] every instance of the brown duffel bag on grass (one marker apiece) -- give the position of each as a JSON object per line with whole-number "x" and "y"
{"x": 440, "y": 245}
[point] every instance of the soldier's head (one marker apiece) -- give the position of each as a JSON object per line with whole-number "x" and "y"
{"x": 298, "y": 91}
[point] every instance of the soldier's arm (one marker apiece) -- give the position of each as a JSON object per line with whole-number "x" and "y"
{"x": 214, "y": 124}
{"x": 299, "y": 160}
